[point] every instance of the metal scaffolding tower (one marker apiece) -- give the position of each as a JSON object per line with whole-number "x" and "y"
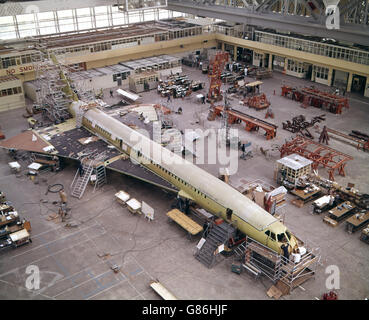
{"x": 52, "y": 95}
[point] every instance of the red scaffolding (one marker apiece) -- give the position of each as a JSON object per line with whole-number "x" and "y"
{"x": 217, "y": 66}
{"x": 318, "y": 153}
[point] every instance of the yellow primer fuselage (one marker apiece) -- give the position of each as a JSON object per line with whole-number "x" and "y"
{"x": 206, "y": 190}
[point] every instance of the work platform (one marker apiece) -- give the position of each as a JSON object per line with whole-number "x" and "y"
{"x": 285, "y": 273}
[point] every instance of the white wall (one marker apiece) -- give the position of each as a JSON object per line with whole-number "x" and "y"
{"x": 296, "y": 74}
{"x": 322, "y": 81}
{"x": 366, "y": 92}
{"x": 12, "y": 102}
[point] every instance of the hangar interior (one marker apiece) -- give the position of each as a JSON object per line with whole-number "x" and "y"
{"x": 207, "y": 150}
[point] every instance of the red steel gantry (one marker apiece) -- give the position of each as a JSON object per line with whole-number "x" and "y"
{"x": 252, "y": 123}
{"x": 316, "y": 98}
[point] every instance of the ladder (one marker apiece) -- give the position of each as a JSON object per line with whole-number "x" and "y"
{"x": 79, "y": 183}
{"x": 100, "y": 172}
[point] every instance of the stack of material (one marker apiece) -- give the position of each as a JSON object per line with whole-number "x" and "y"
{"x": 14, "y": 166}
{"x": 278, "y": 196}
{"x": 259, "y": 196}
{"x": 365, "y": 235}
{"x": 299, "y": 124}
{"x": 14, "y": 231}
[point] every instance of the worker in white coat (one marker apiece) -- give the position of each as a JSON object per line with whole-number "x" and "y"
{"x": 245, "y": 71}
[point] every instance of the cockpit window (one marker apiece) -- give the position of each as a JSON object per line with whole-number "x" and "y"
{"x": 281, "y": 237}
{"x": 270, "y": 234}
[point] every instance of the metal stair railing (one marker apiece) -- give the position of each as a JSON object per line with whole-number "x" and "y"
{"x": 216, "y": 237}
{"x": 80, "y": 184}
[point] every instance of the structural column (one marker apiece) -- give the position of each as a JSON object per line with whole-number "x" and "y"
{"x": 270, "y": 67}
{"x": 223, "y": 46}
{"x": 313, "y": 74}
{"x": 235, "y": 53}
{"x": 366, "y": 92}
{"x": 349, "y": 82}
{"x": 330, "y": 74}
{"x": 285, "y": 65}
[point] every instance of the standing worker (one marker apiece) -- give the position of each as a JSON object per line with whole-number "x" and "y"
{"x": 63, "y": 205}
{"x": 203, "y": 99}
{"x": 111, "y": 93}
{"x": 245, "y": 71}
{"x": 80, "y": 169}
{"x": 286, "y": 253}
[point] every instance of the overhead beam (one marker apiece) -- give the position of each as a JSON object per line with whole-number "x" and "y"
{"x": 24, "y": 7}
{"x": 358, "y": 34}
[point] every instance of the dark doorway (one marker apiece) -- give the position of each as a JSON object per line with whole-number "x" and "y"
{"x": 309, "y": 72}
{"x": 358, "y": 84}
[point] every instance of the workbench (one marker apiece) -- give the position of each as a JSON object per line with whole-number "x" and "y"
{"x": 192, "y": 227}
{"x": 4, "y": 208}
{"x": 122, "y": 197}
{"x": 354, "y": 223}
{"x": 134, "y": 206}
{"x": 342, "y": 211}
{"x": 306, "y": 197}
{"x": 8, "y": 219}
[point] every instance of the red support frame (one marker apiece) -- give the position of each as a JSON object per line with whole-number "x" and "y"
{"x": 320, "y": 155}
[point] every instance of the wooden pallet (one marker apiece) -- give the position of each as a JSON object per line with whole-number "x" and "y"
{"x": 330, "y": 221}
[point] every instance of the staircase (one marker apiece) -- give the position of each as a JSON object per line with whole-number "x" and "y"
{"x": 79, "y": 183}
{"x": 100, "y": 172}
{"x": 219, "y": 234}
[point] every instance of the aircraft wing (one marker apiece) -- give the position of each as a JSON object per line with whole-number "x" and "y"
{"x": 67, "y": 141}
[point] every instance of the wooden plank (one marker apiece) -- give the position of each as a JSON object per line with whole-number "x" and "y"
{"x": 185, "y": 222}
{"x": 162, "y": 291}
{"x": 274, "y": 292}
{"x": 298, "y": 203}
{"x": 330, "y": 221}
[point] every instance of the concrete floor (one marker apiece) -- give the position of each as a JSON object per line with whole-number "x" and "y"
{"x": 70, "y": 259}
